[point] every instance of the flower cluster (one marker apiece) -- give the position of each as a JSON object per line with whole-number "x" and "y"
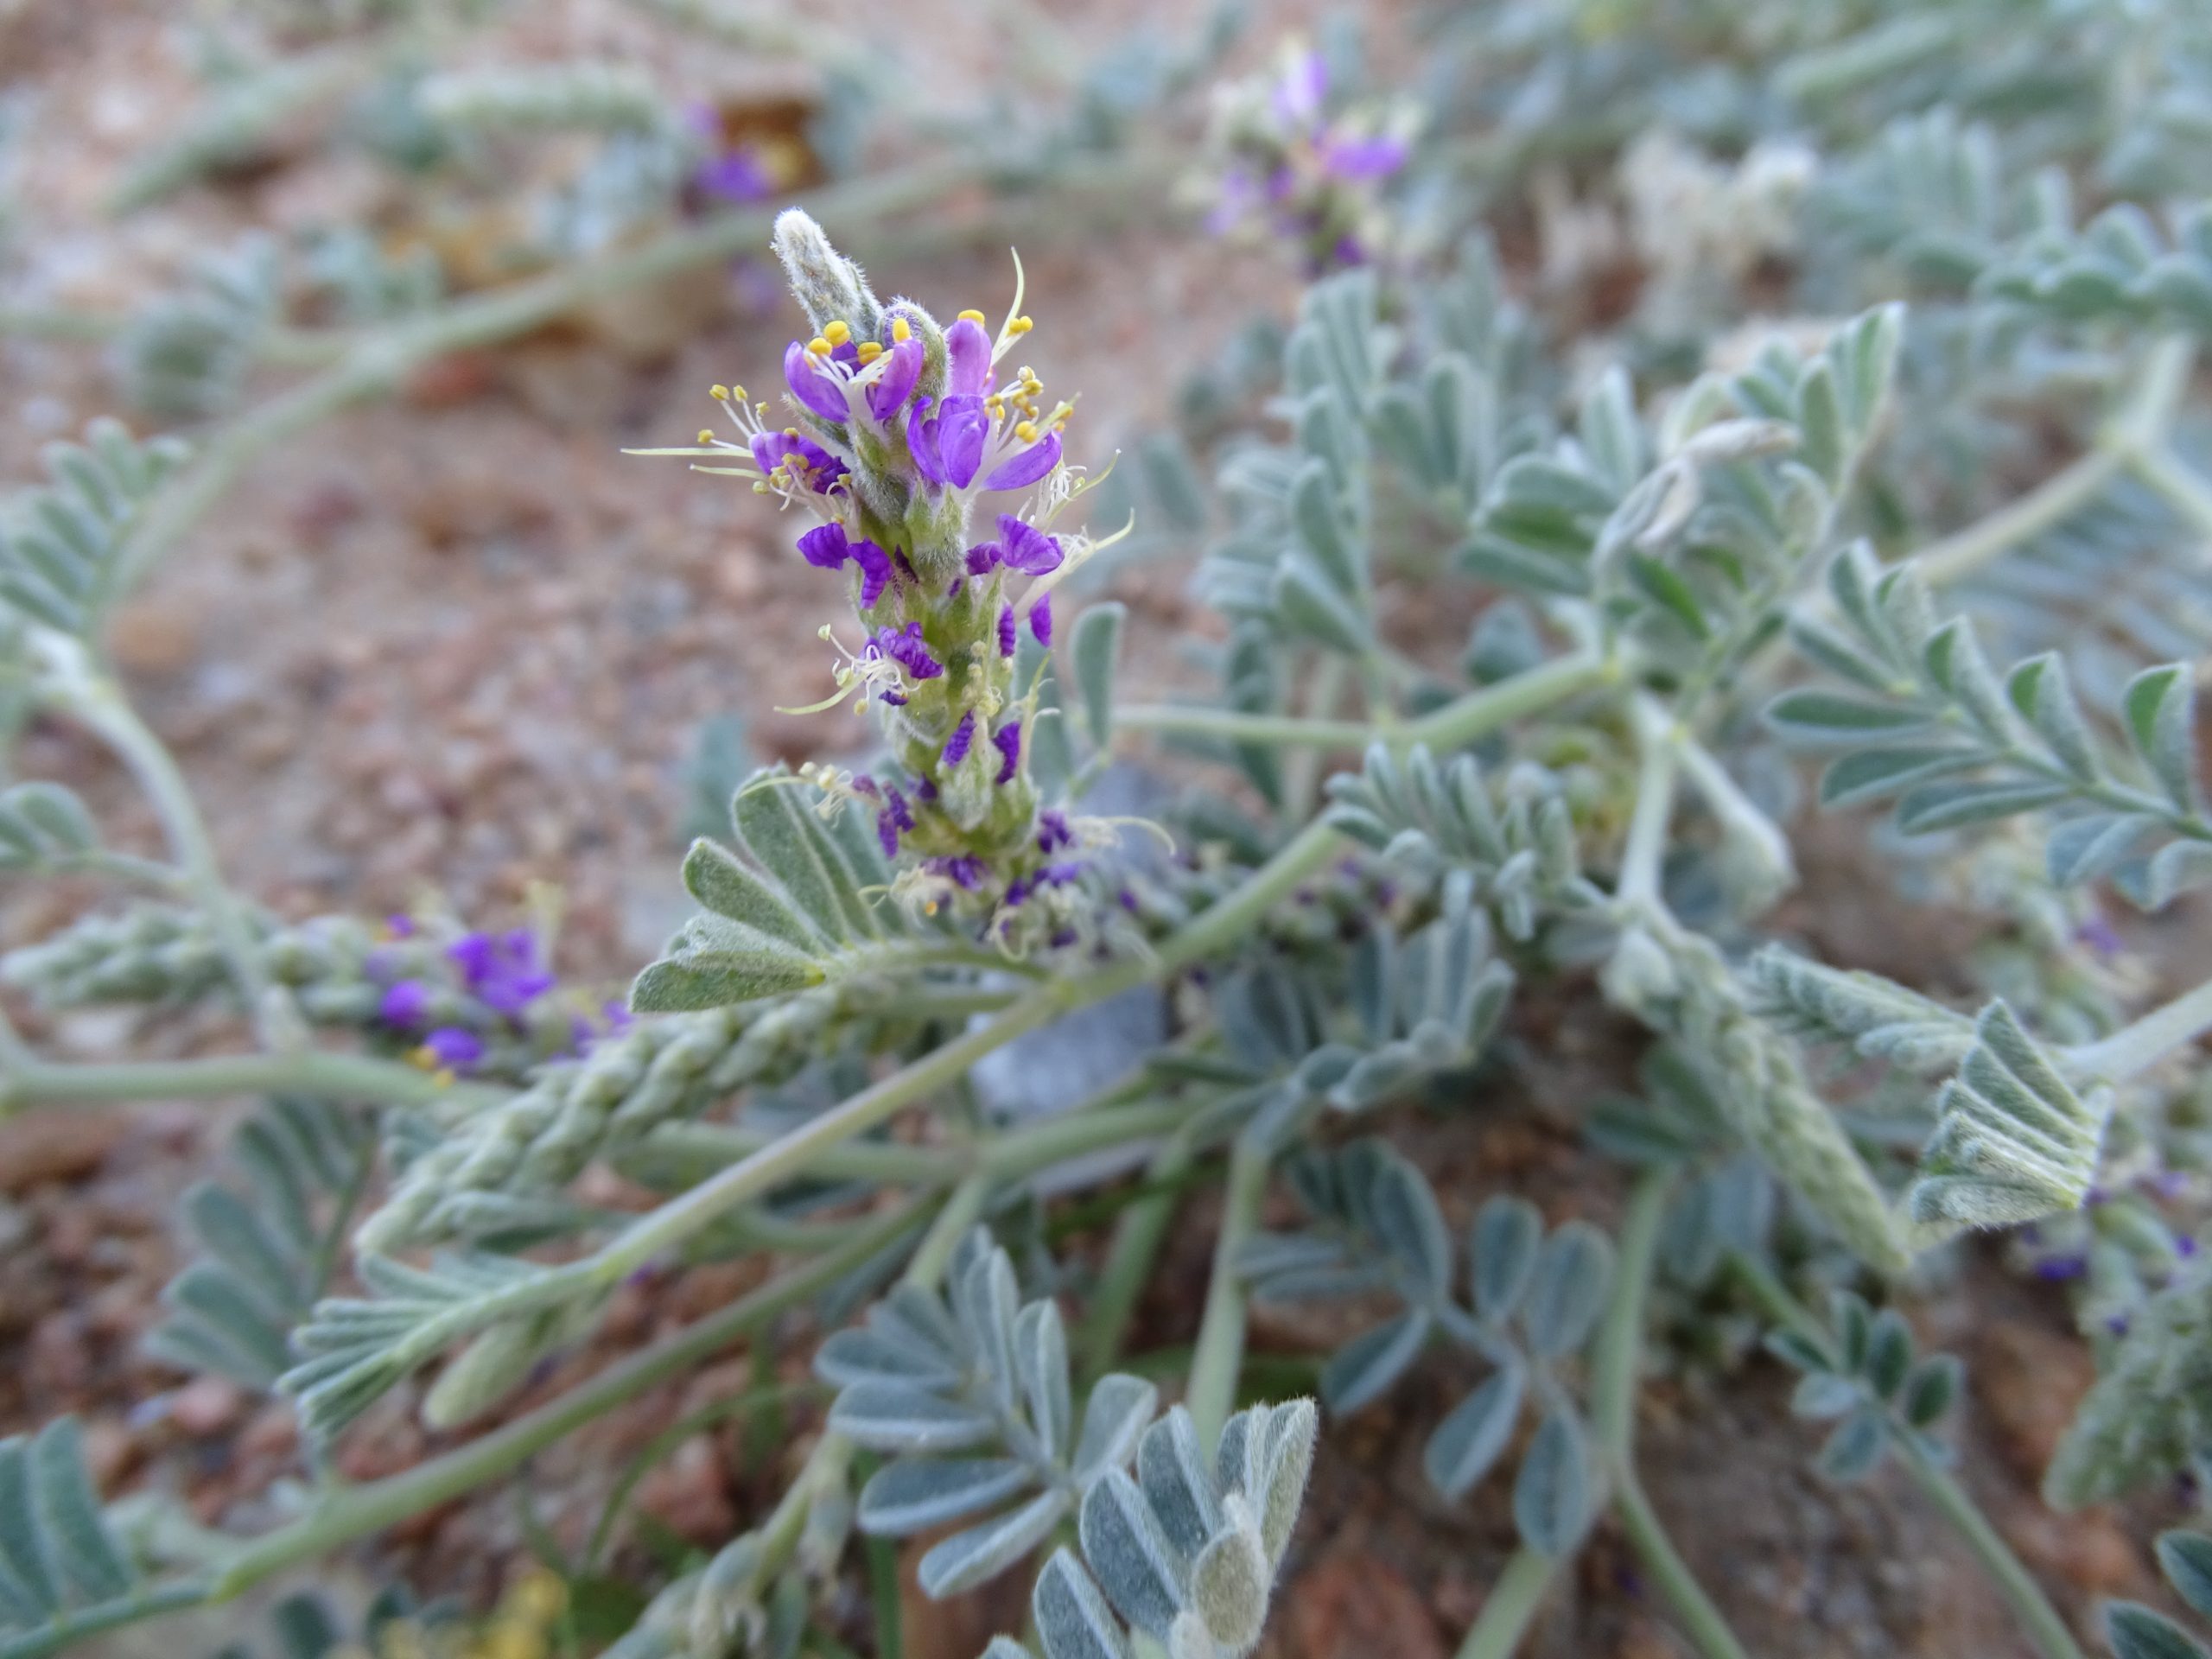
{"x": 894, "y": 429}
{"x": 495, "y": 993}
{"x": 1286, "y": 167}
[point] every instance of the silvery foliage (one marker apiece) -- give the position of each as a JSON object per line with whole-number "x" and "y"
{"x": 1424, "y": 1005}
{"x": 786, "y": 911}
{"x": 968, "y": 1392}
{"x": 59, "y": 1556}
{"x": 2149, "y": 1413}
{"x": 1517, "y": 855}
{"x": 2139, "y": 1632}
{"x": 1927, "y": 720}
{"x": 2015, "y": 1138}
{"x": 1866, "y": 1375}
{"x": 44, "y": 830}
{"x": 1531, "y": 1303}
{"x": 263, "y": 1254}
{"x": 61, "y": 546}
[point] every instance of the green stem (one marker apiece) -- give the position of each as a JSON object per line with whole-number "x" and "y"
{"x": 2135, "y": 1048}
{"x": 309, "y": 1072}
{"x": 1658, "y": 745}
{"x": 1510, "y": 1606}
{"x": 1127, "y": 1267}
{"x": 1211, "y": 1392}
{"x": 1291, "y": 731}
{"x": 1620, "y": 1346}
{"x": 100, "y": 704}
{"x": 358, "y": 1512}
{"x": 2014, "y": 1580}
{"x": 2184, "y": 489}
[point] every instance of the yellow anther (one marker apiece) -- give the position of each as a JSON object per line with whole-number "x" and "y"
{"x": 870, "y": 350}
{"x": 720, "y": 394}
{"x": 738, "y": 392}
{"x": 1026, "y": 432}
{"x": 900, "y": 330}
{"x": 1019, "y": 326}
{"x": 705, "y": 437}
{"x": 971, "y": 317}
{"x": 837, "y": 333}
{"x": 791, "y": 431}
{"x": 819, "y": 347}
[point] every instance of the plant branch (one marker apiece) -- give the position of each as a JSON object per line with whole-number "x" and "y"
{"x": 1510, "y": 1606}
{"x": 1659, "y": 747}
{"x": 1620, "y": 1347}
{"x": 1129, "y": 1258}
{"x": 1211, "y": 1391}
{"x": 311, "y": 1072}
{"x": 2136, "y": 1047}
{"x": 2014, "y": 1580}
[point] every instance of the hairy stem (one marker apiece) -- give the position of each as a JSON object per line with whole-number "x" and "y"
{"x": 2012, "y": 1579}
{"x": 1127, "y": 1267}
{"x": 2135, "y": 1048}
{"x": 1658, "y": 745}
{"x": 1212, "y": 1392}
{"x": 2183, "y": 487}
{"x": 309, "y": 1072}
{"x": 1510, "y": 1607}
{"x": 100, "y": 704}
{"x": 1620, "y": 1347}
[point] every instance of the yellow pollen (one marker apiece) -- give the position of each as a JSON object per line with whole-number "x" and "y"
{"x": 720, "y": 394}
{"x": 971, "y": 317}
{"x": 870, "y": 350}
{"x": 1019, "y": 326}
{"x": 738, "y": 392}
{"x": 1026, "y": 432}
{"x": 819, "y": 347}
{"x": 791, "y": 431}
{"x": 837, "y": 333}
{"x": 705, "y": 437}
{"x": 900, "y": 330}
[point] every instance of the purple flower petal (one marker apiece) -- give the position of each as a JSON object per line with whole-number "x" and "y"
{"x": 1006, "y": 631}
{"x": 967, "y": 358}
{"x": 1053, "y": 830}
{"x": 826, "y": 547}
{"x": 1032, "y": 464}
{"x": 737, "y": 176}
{"x": 895, "y": 383}
{"x": 404, "y": 1003}
{"x": 1304, "y": 86}
{"x": 453, "y": 1047}
{"x": 1008, "y": 741}
{"x": 1040, "y": 618}
{"x": 905, "y": 647}
{"x": 1362, "y": 159}
{"x": 1027, "y": 548}
{"x": 962, "y": 426}
{"x": 964, "y": 734}
{"x": 982, "y": 557}
{"x": 815, "y": 389}
{"x": 963, "y": 869}
{"x": 875, "y": 571}
{"x": 817, "y": 469}
{"x": 921, "y": 443}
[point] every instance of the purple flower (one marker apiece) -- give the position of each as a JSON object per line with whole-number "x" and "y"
{"x": 825, "y": 547}
{"x": 964, "y": 734}
{"x": 1356, "y": 160}
{"x": 1026, "y": 548}
{"x": 400, "y": 927}
{"x": 895, "y": 816}
{"x": 1008, "y": 741}
{"x": 818, "y": 468}
{"x": 454, "y": 1048}
{"x": 1006, "y": 631}
{"x": 905, "y": 647}
{"x": 1053, "y": 830}
{"x": 2058, "y": 1268}
{"x": 618, "y": 1017}
{"x": 895, "y": 381}
{"x": 502, "y": 970}
{"x": 1040, "y": 618}
{"x": 875, "y": 571}
{"x": 1299, "y": 95}
{"x": 967, "y": 358}
{"x": 2184, "y": 1246}
{"x": 1025, "y": 468}
{"x": 814, "y": 388}
{"x": 736, "y": 175}
{"x": 404, "y": 1003}
{"x": 982, "y": 557}
{"x": 948, "y": 446}
{"x": 964, "y": 870}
